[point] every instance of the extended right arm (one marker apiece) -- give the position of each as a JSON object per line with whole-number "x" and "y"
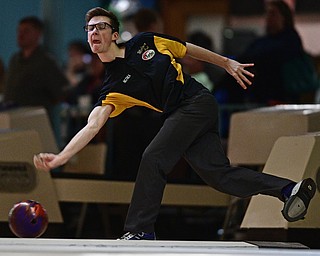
{"x": 97, "y": 118}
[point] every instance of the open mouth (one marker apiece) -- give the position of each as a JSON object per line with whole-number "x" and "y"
{"x": 96, "y": 41}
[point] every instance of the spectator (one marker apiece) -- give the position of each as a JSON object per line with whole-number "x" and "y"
{"x": 34, "y": 78}
{"x": 84, "y": 94}
{"x": 2, "y": 78}
{"x": 203, "y": 72}
{"x": 148, "y": 20}
{"x": 270, "y": 53}
{"x": 79, "y": 58}
{"x": 134, "y": 141}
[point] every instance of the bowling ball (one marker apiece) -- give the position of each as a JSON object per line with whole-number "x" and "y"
{"x": 28, "y": 219}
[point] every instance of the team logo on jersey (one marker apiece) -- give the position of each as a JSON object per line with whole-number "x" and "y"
{"x": 143, "y": 48}
{"x": 148, "y": 54}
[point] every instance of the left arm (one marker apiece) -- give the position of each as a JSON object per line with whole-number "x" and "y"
{"x": 234, "y": 68}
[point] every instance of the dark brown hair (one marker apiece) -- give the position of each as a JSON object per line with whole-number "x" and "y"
{"x": 98, "y": 11}
{"x": 285, "y": 11}
{"x": 33, "y": 21}
{"x": 144, "y": 18}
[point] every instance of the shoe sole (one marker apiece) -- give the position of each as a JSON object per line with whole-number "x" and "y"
{"x": 138, "y": 236}
{"x": 295, "y": 208}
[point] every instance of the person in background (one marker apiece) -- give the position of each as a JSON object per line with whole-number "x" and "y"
{"x": 280, "y": 44}
{"x": 92, "y": 82}
{"x": 78, "y": 62}
{"x": 2, "y": 78}
{"x": 143, "y": 72}
{"x": 82, "y": 96}
{"x": 134, "y": 141}
{"x": 33, "y": 76}
{"x": 148, "y": 20}
{"x": 196, "y": 68}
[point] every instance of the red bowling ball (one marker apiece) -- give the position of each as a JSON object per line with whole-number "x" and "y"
{"x": 28, "y": 219}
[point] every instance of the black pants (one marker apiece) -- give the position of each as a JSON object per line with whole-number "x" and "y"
{"x": 191, "y": 132}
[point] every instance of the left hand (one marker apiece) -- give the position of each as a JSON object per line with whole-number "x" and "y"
{"x": 237, "y": 70}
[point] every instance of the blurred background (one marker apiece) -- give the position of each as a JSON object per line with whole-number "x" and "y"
{"x": 230, "y": 23}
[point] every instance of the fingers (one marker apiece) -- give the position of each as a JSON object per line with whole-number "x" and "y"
{"x": 246, "y": 72}
{"x": 241, "y": 79}
{"x": 242, "y": 84}
{"x": 40, "y": 162}
{"x": 247, "y": 65}
{"x": 245, "y": 79}
{"x": 37, "y": 161}
{"x": 241, "y": 75}
{"x": 42, "y": 155}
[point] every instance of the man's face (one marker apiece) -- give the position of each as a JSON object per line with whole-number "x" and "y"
{"x": 100, "y": 39}
{"x": 28, "y": 36}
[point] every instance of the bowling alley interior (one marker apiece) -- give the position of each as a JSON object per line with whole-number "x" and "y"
{"x": 87, "y": 199}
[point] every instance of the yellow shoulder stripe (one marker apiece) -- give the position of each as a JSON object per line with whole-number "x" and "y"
{"x": 176, "y": 50}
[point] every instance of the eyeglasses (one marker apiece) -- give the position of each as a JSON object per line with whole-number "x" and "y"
{"x": 98, "y": 26}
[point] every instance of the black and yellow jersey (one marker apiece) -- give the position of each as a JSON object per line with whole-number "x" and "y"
{"x": 148, "y": 76}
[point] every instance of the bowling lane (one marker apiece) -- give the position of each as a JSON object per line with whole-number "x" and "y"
{"x": 82, "y": 247}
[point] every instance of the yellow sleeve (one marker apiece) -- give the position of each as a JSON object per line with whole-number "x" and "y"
{"x": 171, "y": 47}
{"x": 121, "y": 102}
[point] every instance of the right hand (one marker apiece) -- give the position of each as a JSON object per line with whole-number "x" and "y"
{"x": 46, "y": 161}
